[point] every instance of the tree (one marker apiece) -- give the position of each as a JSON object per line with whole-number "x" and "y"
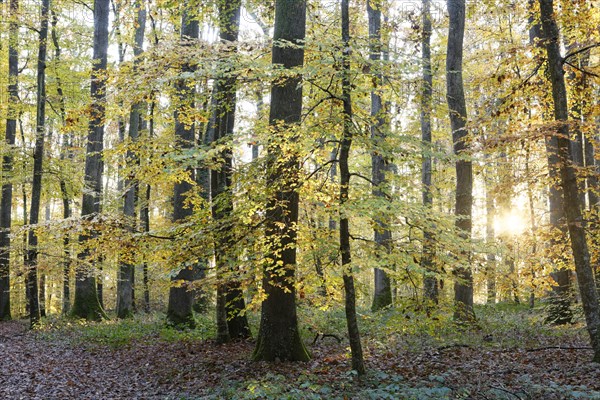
{"x": 568, "y": 178}
{"x": 180, "y": 312}
{"x": 463, "y": 287}
{"x": 38, "y": 159}
{"x": 559, "y": 310}
{"x": 358, "y": 363}
{"x": 7, "y": 161}
{"x": 430, "y": 280}
{"x": 230, "y": 300}
{"x": 86, "y": 303}
{"x": 278, "y": 336}
{"x": 125, "y": 293}
{"x": 379, "y": 165}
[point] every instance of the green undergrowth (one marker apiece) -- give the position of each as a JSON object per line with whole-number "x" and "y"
{"x": 380, "y": 385}
{"x": 502, "y": 326}
{"x": 116, "y": 332}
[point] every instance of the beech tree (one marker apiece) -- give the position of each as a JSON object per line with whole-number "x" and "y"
{"x": 430, "y": 280}
{"x": 86, "y": 303}
{"x": 125, "y": 283}
{"x": 7, "y": 161}
{"x": 382, "y": 235}
{"x": 38, "y": 158}
{"x": 278, "y": 336}
{"x": 358, "y": 363}
{"x": 180, "y": 312}
{"x": 568, "y": 178}
{"x": 230, "y": 300}
{"x": 463, "y": 287}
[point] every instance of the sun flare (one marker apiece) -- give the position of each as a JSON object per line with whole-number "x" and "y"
{"x": 510, "y": 224}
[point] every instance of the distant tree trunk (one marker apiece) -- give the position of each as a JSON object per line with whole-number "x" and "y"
{"x": 279, "y": 337}
{"x": 504, "y": 203}
{"x": 490, "y": 234}
{"x": 463, "y": 287}
{"x": 559, "y": 310}
{"x": 358, "y": 363}
{"x": 38, "y": 158}
{"x": 575, "y": 222}
{"x": 65, "y": 153}
{"x": 145, "y": 218}
{"x": 382, "y": 296}
{"x": 7, "y": 161}
{"x": 125, "y": 283}
{"x": 532, "y": 224}
{"x": 430, "y": 280}
{"x": 145, "y": 222}
{"x": 229, "y": 291}
{"x": 87, "y": 303}
{"x": 180, "y": 312}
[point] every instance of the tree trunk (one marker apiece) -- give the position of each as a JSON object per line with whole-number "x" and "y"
{"x": 358, "y": 363}
{"x": 7, "y": 162}
{"x": 229, "y": 292}
{"x": 382, "y": 296}
{"x": 145, "y": 218}
{"x": 38, "y": 158}
{"x": 463, "y": 287}
{"x": 575, "y": 222}
{"x": 125, "y": 283}
{"x": 559, "y": 310}
{"x": 180, "y": 312}
{"x": 279, "y": 337}
{"x": 490, "y": 234}
{"x": 64, "y": 155}
{"x": 532, "y": 224}
{"x": 87, "y": 303}
{"x": 430, "y": 280}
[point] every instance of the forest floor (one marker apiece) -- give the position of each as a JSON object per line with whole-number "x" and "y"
{"x": 513, "y": 356}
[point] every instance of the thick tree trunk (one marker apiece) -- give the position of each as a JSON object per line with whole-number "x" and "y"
{"x": 38, "y": 158}
{"x": 463, "y": 286}
{"x": 430, "y": 279}
{"x": 382, "y": 296}
{"x": 7, "y": 161}
{"x": 358, "y": 363}
{"x": 279, "y": 337}
{"x": 575, "y": 222}
{"x": 87, "y": 303}
{"x": 559, "y": 310}
{"x": 125, "y": 283}
{"x": 180, "y": 309}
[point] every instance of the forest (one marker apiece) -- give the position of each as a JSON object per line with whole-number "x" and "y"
{"x": 300, "y": 199}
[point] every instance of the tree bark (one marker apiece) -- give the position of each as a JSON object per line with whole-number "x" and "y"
{"x": 430, "y": 280}
{"x": 180, "y": 312}
{"x": 490, "y": 234}
{"x": 125, "y": 283}
{"x": 65, "y": 154}
{"x": 575, "y": 221}
{"x": 382, "y": 296}
{"x": 559, "y": 310}
{"x": 358, "y": 363}
{"x": 38, "y": 158}
{"x": 7, "y": 161}
{"x": 279, "y": 337}
{"x": 229, "y": 291}
{"x": 87, "y": 303}
{"x": 463, "y": 287}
